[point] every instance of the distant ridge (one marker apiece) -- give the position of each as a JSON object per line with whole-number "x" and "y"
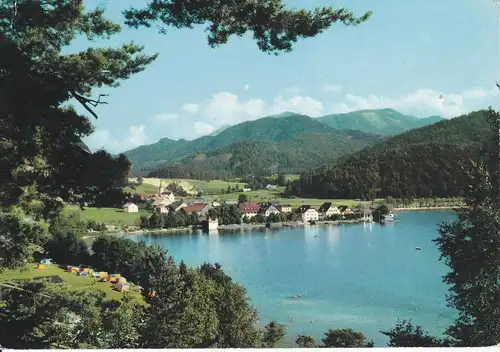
{"x": 219, "y": 130}
{"x": 294, "y": 142}
{"x": 386, "y": 122}
{"x": 288, "y": 141}
{"x": 285, "y": 114}
{"x": 426, "y": 162}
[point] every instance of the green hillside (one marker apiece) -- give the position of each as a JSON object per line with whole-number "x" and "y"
{"x": 293, "y": 132}
{"x": 426, "y": 162}
{"x": 219, "y": 130}
{"x": 303, "y": 151}
{"x": 386, "y": 122}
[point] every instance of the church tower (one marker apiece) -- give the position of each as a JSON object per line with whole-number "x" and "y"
{"x": 160, "y": 189}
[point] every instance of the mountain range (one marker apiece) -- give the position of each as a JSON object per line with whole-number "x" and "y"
{"x": 426, "y": 162}
{"x": 289, "y": 142}
{"x": 386, "y": 122}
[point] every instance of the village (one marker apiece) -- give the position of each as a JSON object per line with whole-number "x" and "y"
{"x": 164, "y": 202}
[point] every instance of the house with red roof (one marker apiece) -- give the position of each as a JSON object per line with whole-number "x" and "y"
{"x": 249, "y": 209}
{"x": 198, "y": 208}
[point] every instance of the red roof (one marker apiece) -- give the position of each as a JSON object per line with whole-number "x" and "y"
{"x": 249, "y": 207}
{"x": 195, "y": 208}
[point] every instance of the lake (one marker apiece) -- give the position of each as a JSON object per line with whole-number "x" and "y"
{"x": 360, "y": 276}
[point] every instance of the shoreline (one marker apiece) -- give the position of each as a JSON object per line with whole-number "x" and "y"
{"x": 232, "y": 227}
{"x": 428, "y": 208}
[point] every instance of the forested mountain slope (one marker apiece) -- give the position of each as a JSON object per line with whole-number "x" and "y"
{"x": 386, "y": 122}
{"x": 426, "y": 162}
{"x": 294, "y": 139}
{"x": 261, "y": 158}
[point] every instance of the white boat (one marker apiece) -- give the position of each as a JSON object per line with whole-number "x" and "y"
{"x": 389, "y": 217}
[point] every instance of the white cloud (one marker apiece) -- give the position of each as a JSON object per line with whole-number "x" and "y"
{"x": 334, "y": 88}
{"x": 165, "y": 117}
{"x": 225, "y": 108}
{"x": 103, "y": 139}
{"x": 202, "y": 128}
{"x": 422, "y": 102}
{"x": 246, "y": 87}
{"x": 190, "y": 108}
{"x": 137, "y": 136}
{"x": 299, "y": 104}
{"x": 99, "y": 139}
{"x": 481, "y": 93}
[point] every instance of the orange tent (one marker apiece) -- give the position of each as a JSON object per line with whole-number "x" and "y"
{"x": 122, "y": 287}
{"x": 73, "y": 269}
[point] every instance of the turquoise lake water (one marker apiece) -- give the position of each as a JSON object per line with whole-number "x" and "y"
{"x": 362, "y": 276}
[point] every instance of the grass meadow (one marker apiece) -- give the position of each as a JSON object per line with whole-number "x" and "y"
{"x": 76, "y": 282}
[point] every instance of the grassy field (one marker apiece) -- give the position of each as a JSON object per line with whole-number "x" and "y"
{"x": 145, "y": 188}
{"x": 74, "y": 281}
{"x": 211, "y": 191}
{"x": 109, "y": 216}
{"x": 191, "y": 186}
{"x": 275, "y": 196}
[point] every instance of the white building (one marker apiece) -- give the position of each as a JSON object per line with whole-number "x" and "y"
{"x": 307, "y": 213}
{"x": 164, "y": 195}
{"x": 284, "y": 208}
{"x": 130, "y": 208}
{"x": 161, "y": 202}
{"x": 168, "y": 196}
{"x": 271, "y": 210}
{"x": 327, "y": 210}
{"x": 210, "y": 225}
{"x": 162, "y": 209}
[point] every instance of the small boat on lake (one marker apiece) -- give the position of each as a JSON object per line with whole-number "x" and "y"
{"x": 389, "y": 217}
{"x": 417, "y": 248}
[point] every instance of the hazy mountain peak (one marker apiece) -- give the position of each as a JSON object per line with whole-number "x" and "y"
{"x": 387, "y": 122}
{"x": 219, "y": 130}
{"x": 285, "y": 114}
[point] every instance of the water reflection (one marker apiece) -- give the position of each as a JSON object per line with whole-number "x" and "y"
{"x": 333, "y": 236}
{"x": 360, "y": 286}
{"x": 213, "y": 246}
{"x": 368, "y": 226}
{"x": 311, "y": 241}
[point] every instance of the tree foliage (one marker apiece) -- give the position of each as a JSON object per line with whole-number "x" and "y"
{"x": 40, "y": 134}
{"x": 249, "y": 149}
{"x": 426, "y": 162}
{"x": 39, "y": 315}
{"x": 380, "y": 212}
{"x": 470, "y": 246}
{"x": 66, "y": 244}
{"x": 304, "y": 341}
{"x": 345, "y": 338}
{"x": 273, "y": 334}
{"x": 21, "y": 239}
{"x": 407, "y": 335}
{"x": 275, "y": 28}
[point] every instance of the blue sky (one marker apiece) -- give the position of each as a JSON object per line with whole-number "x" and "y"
{"x": 404, "y": 57}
